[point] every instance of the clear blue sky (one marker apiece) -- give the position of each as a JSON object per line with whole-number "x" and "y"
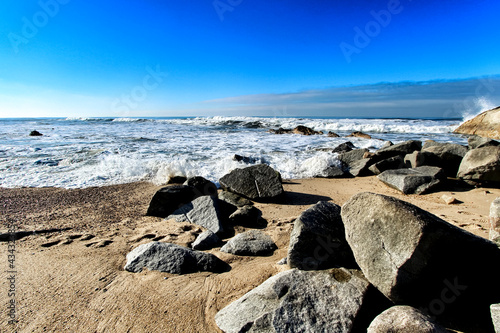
{"x": 181, "y": 58}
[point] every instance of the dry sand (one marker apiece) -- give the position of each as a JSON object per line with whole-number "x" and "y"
{"x": 73, "y": 280}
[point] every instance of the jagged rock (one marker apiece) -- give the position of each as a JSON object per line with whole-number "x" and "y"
{"x": 333, "y": 135}
{"x": 401, "y": 149}
{"x": 35, "y": 133}
{"x": 481, "y": 165}
{"x": 250, "y": 243}
{"x": 166, "y": 200}
{"x": 361, "y": 168}
{"x": 344, "y": 147}
{"x": 475, "y": 141}
{"x": 234, "y": 199}
{"x": 333, "y": 172}
{"x": 204, "y": 186}
{"x": 203, "y": 211}
{"x": 404, "y": 319}
{"x": 447, "y": 156}
{"x": 247, "y": 159}
{"x": 495, "y": 221}
{"x": 302, "y": 301}
{"x": 486, "y": 124}
{"x": 352, "y": 156}
{"x": 413, "y": 181}
{"x": 280, "y": 131}
{"x": 305, "y": 130}
{"x": 248, "y": 216}
{"x": 391, "y": 163}
{"x": 257, "y": 182}
{"x": 358, "y": 134}
{"x": 172, "y": 258}
{"x": 417, "y": 259}
{"x": 421, "y": 158}
{"x": 205, "y": 241}
{"x": 495, "y": 316}
{"x": 318, "y": 240}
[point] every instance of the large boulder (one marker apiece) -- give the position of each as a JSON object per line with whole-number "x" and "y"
{"x": 333, "y": 171}
{"x": 421, "y": 158}
{"x": 344, "y": 147}
{"x": 172, "y": 258}
{"x": 486, "y": 124}
{"x": 404, "y": 319}
{"x": 447, "y": 156}
{"x": 413, "y": 181}
{"x": 247, "y": 216}
{"x": 401, "y": 149}
{"x": 332, "y": 300}
{"x": 205, "y": 241}
{"x": 168, "y": 199}
{"x": 304, "y": 130}
{"x": 417, "y": 259}
{"x": 495, "y": 221}
{"x": 250, "y": 243}
{"x": 204, "y": 186}
{"x": 481, "y": 165}
{"x": 361, "y": 168}
{"x": 391, "y": 163}
{"x": 349, "y": 157}
{"x": 202, "y": 211}
{"x": 256, "y": 182}
{"x": 475, "y": 141}
{"x": 318, "y": 240}
{"x": 234, "y": 199}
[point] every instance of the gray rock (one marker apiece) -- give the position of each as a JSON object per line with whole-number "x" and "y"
{"x": 283, "y": 261}
{"x": 429, "y": 143}
{"x": 495, "y": 316}
{"x": 415, "y": 258}
{"x": 481, "y": 165}
{"x": 257, "y": 182}
{"x": 247, "y": 216}
{"x": 447, "y": 156}
{"x": 168, "y": 199}
{"x": 404, "y": 319}
{"x": 172, "y": 258}
{"x": 234, "y": 199}
{"x": 205, "y": 241}
{"x": 352, "y": 156}
{"x": 361, "y": 167}
{"x": 333, "y": 172}
{"x": 300, "y": 301}
{"x": 475, "y": 141}
{"x": 387, "y": 144}
{"x": 202, "y": 211}
{"x": 35, "y": 133}
{"x": 202, "y": 185}
{"x": 402, "y": 148}
{"x": 421, "y": 158}
{"x": 318, "y": 240}
{"x": 495, "y": 221}
{"x": 413, "y": 181}
{"x": 250, "y": 243}
{"x": 344, "y": 147}
{"x": 391, "y": 163}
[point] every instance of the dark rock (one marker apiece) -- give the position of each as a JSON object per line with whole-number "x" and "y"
{"x": 202, "y": 211}
{"x": 168, "y": 199}
{"x": 205, "y": 241}
{"x": 417, "y": 259}
{"x": 447, "y": 156}
{"x": 333, "y": 172}
{"x": 172, "y": 258}
{"x": 429, "y": 143}
{"x": 177, "y": 180}
{"x": 305, "y": 130}
{"x": 481, "y": 165}
{"x": 401, "y": 149}
{"x": 333, "y": 135}
{"x": 246, "y": 159}
{"x": 318, "y": 240}
{"x": 404, "y": 319}
{"x": 280, "y": 131}
{"x": 202, "y": 185}
{"x": 344, "y": 147}
{"x": 250, "y": 243}
{"x": 247, "y": 216}
{"x": 358, "y": 134}
{"x": 361, "y": 168}
{"x": 302, "y": 301}
{"x": 413, "y": 181}
{"x": 495, "y": 221}
{"x": 234, "y": 199}
{"x": 391, "y": 163}
{"x": 257, "y": 182}
{"x": 35, "y": 133}
{"x": 475, "y": 141}
{"x": 352, "y": 156}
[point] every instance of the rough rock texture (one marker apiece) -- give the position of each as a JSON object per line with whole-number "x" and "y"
{"x": 495, "y": 316}
{"x": 172, "y": 258}
{"x": 447, "y": 156}
{"x": 402, "y": 148}
{"x": 250, "y": 243}
{"x": 417, "y": 259}
{"x": 495, "y": 221}
{"x": 333, "y": 172}
{"x": 486, "y": 124}
{"x": 301, "y": 301}
{"x": 204, "y": 186}
{"x": 305, "y": 130}
{"x": 343, "y": 147}
{"x": 318, "y": 240}
{"x": 257, "y": 182}
{"x": 391, "y": 163}
{"x": 421, "y": 158}
{"x": 475, "y": 141}
{"x": 352, "y": 156}
{"x": 234, "y": 199}
{"x": 166, "y": 200}
{"x": 404, "y": 319}
{"x": 413, "y": 181}
{"x": 333, "y": 134}
{"x": 205, "y": 241}
{"x": 247, "y": 216}
{"x": 481, "y": 165}
{"x": 361, "y": 167}
{"x": 202, "y": 211}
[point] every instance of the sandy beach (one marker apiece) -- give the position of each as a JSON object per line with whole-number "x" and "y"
{"x": 73, "y": 280}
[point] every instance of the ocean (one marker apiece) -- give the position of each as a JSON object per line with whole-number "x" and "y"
{"x": 86, "y": 152}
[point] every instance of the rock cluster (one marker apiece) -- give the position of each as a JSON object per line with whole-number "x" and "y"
{"x": 486, "y": 124}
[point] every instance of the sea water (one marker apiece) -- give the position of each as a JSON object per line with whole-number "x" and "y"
{"x": 85, "y": 152}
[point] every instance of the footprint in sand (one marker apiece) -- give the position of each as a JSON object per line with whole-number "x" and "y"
{"x": 141, "y": 237}
{"x": 50, "y": 244}
{"x": 98, "y": 244}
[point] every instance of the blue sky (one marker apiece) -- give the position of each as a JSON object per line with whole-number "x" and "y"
{"x": 405, "y": 58}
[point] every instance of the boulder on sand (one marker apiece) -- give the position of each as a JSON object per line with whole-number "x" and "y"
{"x": 172, "y": 258}
{"x": 404, "y": 319}
{"x": 202, "y": 211}
{"x": 447, "y": 156}
{"x": 391, "y": 163}
{"x": 166, "y": 200}
{"x": 204, "y": 186}
{"x": 481, "y": 165}
{"x": 413, "y": 181}
{"x": 250, "y": 243}
{"x": 206, "y": 241}
{"x": 486, "y": 124}
{"x": 417, "y": 259}
{"x": 256, "y": 182}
